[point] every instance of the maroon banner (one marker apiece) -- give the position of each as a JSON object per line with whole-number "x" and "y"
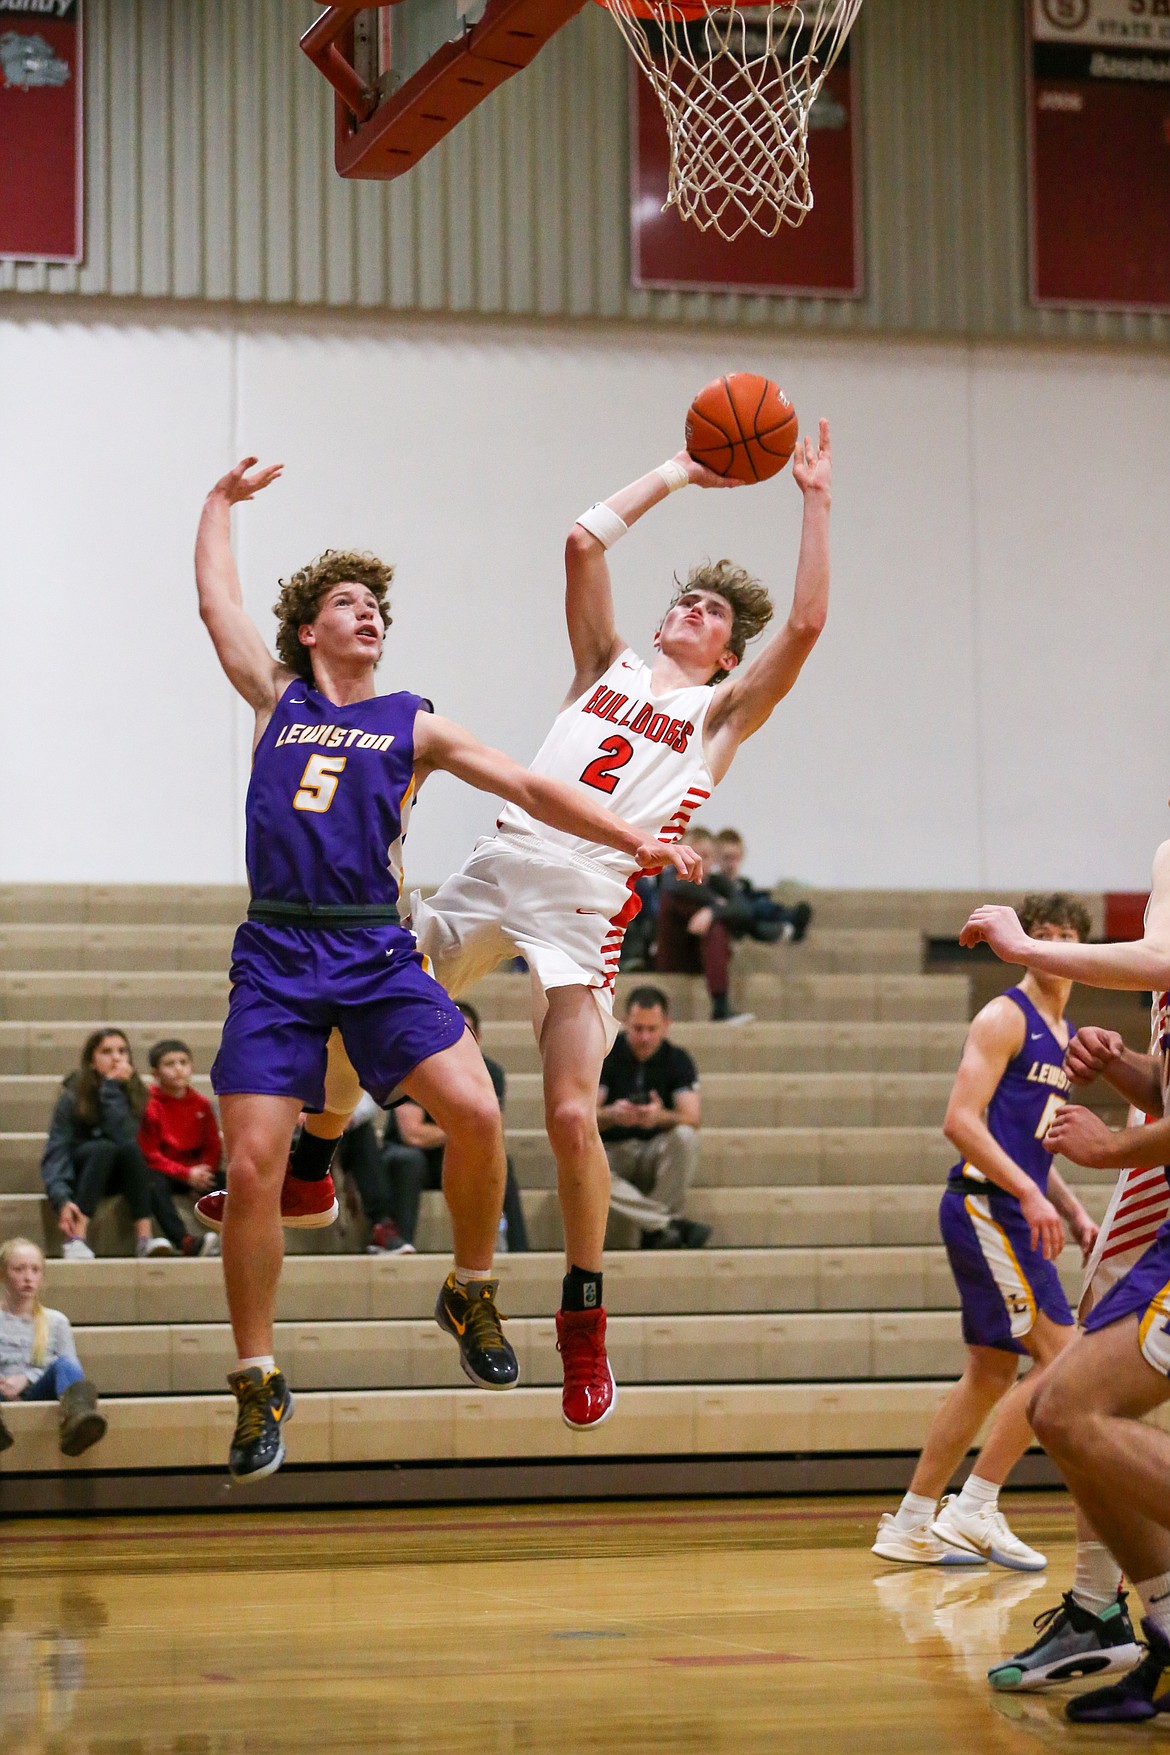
{"x": 820, "y": 258}
{"x": 41, "y": 130}
{"x": 1099, "y": 119}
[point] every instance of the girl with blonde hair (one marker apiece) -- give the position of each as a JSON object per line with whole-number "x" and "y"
{"x": 38, "y": 1360}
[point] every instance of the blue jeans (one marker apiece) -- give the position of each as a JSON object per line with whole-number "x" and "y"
{"x": 54, "y": 1382}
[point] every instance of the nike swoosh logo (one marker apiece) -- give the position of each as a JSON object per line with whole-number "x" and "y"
{"x": 626, "y": 665}
{"x": 459, "y": 1327}
{"x": 1038, "y": 1038}
{"x": 279, "y": 1413}
{"x": 300, "y": 703}
{"x": 594, "y": 911}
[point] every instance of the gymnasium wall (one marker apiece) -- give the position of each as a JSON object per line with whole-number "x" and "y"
{"x": 986, "y": 706}
{"x": 210, "y": 176}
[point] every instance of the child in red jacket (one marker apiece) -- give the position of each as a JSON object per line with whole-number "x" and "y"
{"x": 179, "y": 1138}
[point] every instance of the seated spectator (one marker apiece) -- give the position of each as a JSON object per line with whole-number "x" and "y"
{"x": 414, "y": 1158}
{"x": 38, "y": 1360}
{"x": 648, "y": 1113}
{"x": 696, "y": 922}
{"x": 361, "y": 1157}
{"x": 770, "y": 920}
{"x": 92, "y": 1149}
{"x": 179, "y": 1139}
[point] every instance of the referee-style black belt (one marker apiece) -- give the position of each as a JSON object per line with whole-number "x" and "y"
{"x": 324, "y": 914}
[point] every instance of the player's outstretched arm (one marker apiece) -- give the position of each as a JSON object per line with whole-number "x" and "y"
{"x": 1083, "y": 1138}
{"x": 441, "y": 744}
{"x": 589, "y": 609}
{"x": 239, "y": 645}
{"x": 746, "y": 700}
{"x": 1131, "y": 967}
{"x": 995, "y": 1037}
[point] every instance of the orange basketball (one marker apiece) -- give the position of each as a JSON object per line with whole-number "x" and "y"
{"x": 742, "y": 426}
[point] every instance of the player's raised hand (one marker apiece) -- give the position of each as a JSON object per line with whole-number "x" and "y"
{"x": 1080, "y": 1136}
{"x": 1090, "y": 1052}
{"x": 653, "y": 855}
{"x": 812, "y": 464}
{"x": 245, "y": 481}
{"x": 998, "y": 927}
{"x": 700, "y": 476}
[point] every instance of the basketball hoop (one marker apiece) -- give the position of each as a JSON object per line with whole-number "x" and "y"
{"x": 737, "y": 85}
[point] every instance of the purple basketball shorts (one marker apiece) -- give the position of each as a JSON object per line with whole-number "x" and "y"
{"x": 292, "y": 985}
{"x": 1144, "y": 1293}
{"x": 1003, "y": 1282}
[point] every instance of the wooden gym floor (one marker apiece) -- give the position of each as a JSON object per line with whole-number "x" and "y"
{"x": 696, "y": 1627}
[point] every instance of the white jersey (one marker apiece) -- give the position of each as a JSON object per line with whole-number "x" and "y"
{"x": 638, "y": 753}
{"x": 1140, "y": 1203}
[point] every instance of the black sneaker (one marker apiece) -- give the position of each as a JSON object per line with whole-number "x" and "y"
{"x": 693, "y": 1235}
{"x": 1073, "y": 1643}
{"x": 1142, "y": 1694}
{"x": 265, "y": 1405}
{"x": 669, "y": 1237}
{"x": 470, "y": 1315}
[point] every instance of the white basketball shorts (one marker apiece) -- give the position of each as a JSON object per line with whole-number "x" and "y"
{"x": 518, "y": 895}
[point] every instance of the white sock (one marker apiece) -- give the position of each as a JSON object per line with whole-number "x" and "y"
{"x": 264, "y": 1360}
{"x": 977, "y": 1493}
{"x": 1098, "y": 1577}
{"x": 915, "y": 1510}
{"x": 1155, "y": 1595}
{"x": 464, "y": 1276}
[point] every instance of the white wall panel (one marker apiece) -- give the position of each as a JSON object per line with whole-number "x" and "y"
{"x": 985, "y": 706}
{"x": 120, "y": 735}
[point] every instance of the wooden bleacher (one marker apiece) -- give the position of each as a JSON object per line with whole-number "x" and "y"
{"x": 817, "y": 1327}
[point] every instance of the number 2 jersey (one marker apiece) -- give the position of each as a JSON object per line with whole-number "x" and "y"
{"x": 638, "y": 753}
{"x": 329, "y": 799}
{"x": 1032, "y": 1089}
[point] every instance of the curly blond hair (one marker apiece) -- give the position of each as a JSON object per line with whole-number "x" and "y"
{"x": 300, "y": 599}
{"x": 751, "y": 607}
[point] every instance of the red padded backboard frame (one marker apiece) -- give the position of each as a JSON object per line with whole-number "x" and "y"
{"x": 384, "y": 139}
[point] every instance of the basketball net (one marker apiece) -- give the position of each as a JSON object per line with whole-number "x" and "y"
{"x": 737, "y": 86}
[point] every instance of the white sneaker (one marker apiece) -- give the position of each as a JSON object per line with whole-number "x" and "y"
{"x": 148, "y": 1246}
{"x": 76, "y": 1249}
{"x": 985, "y": 1532}
{"x": 918, "y": 1546}
{"x": 209, "y": 1244}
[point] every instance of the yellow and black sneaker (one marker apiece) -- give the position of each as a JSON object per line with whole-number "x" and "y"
{"x": 469, "y": 1313}
{"x": 265, "y": 1407}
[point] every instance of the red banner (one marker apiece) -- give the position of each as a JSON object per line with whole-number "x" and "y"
{"x": 41, "y": 130}
{"x": 1099, "y": 118}
{"x": 820, "y": 258}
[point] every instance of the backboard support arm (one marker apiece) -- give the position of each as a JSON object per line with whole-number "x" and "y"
{"x": 384, "y": 139}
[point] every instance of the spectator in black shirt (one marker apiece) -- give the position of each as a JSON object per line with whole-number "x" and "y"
{"x": 648, "y": 1113}
{"x": 768, "y": 920}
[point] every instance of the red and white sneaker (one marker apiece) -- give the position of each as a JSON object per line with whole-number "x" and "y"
{"x": 304, "y": 1206}
{"x": 590, "y": 1393}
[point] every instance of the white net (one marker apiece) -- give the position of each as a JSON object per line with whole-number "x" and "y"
{"x": 737, "y": 86}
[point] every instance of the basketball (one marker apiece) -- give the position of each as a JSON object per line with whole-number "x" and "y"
{"x": 742, "y": 426}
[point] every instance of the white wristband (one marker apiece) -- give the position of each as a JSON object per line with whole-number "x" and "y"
{"x": 673, "y": 474}
{"x": 603, "y": 522}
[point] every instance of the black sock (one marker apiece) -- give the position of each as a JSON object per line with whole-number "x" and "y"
{"x": 719, "y": 1007}
{"x": 312, "y": 1157}
{"x": 581, "y": 1290}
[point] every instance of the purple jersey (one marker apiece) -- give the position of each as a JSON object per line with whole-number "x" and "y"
{"x": 1033, "y": 1087}
{"x": 329, "y": 799}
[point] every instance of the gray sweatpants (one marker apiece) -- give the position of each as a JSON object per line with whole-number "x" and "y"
{"x": 648, "y": 1179}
